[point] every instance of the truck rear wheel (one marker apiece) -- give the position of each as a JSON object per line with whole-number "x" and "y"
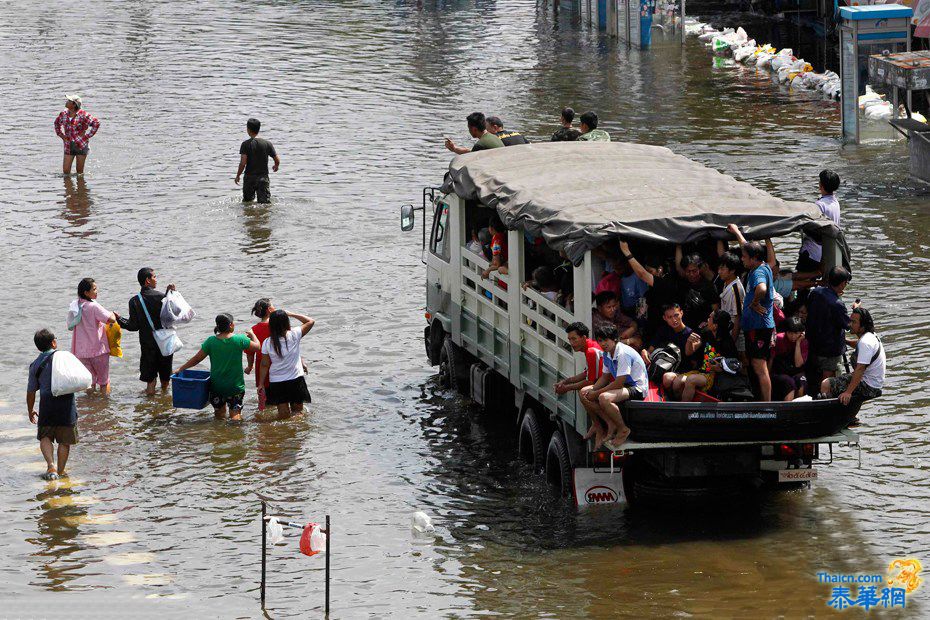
{"x": 531, "y": 444}
{"x": 453, "y": 368}
{"x": 558, "y": 466}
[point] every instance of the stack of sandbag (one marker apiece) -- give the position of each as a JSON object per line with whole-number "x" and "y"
{"x": 789, "y": 69}
{"x": 874, "y": 107}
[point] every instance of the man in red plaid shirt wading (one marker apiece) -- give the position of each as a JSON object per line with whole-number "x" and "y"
{"x": 75, "y": 127}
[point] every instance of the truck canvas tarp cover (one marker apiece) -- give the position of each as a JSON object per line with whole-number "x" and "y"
{"x": 577, "y": 195}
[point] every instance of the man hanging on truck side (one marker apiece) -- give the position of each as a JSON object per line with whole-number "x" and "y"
{"x": 577, "y": 334}
{"x": 624, "y": 379}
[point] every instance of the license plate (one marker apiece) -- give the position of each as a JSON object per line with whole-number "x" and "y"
{"x": 796, "y": 475}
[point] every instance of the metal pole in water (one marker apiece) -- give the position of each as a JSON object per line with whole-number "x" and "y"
{"x": 264, "y": 539}
{"x": 329, "y": 541}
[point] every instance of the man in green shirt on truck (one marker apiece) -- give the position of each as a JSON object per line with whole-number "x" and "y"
{"x": 478, "y": 128}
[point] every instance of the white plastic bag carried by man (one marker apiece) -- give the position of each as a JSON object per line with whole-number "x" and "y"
{"x": 69, "y": 375}
{"x": 175, "y": 310}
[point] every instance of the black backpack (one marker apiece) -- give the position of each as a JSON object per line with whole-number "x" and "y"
{"x": 664, "y": 359}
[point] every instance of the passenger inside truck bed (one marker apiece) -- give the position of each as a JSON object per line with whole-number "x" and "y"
{"x": 498, "y": 247}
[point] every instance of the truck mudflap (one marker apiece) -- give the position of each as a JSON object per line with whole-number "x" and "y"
{"x": 598, "y": 487}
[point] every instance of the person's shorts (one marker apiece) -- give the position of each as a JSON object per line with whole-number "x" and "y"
{"x": 253, "y": 184}
{"x": 99, "y": 368}
{"x": 758, "y": 343}
{"x": 708, "y": 378}
{"x": 153, "y": 365}
{"x": 635, "y": 392}
{"x": 806, "y": 263}
{"x": 287, "y": 392}
{"x": 840, "y": 384}
{"x": 826, "y": 364}
{"x": 234, "y": 402}
{"x": 72, "y": 149}
{"x": 62, "y": 435}
{"x": 782, "y": 384}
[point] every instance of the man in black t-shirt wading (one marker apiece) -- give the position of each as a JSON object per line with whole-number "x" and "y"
{"x": 253, "y": 159}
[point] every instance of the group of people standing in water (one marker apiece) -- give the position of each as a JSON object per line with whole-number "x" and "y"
{"x": 271, "y": 348}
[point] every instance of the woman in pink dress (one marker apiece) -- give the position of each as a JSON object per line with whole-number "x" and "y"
{"x": 88, "y": 320}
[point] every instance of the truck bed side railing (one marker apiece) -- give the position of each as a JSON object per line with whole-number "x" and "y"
{"x": 546, "y": 355}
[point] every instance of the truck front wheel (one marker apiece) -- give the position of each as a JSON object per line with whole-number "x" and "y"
{"x": 453, "y": 369}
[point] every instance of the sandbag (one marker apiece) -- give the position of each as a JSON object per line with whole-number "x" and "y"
{"x": 175, "y": 310}
{"x": 69, "y": 375}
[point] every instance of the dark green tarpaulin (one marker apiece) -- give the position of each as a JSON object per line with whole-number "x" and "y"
{"x": 577, "y": 195}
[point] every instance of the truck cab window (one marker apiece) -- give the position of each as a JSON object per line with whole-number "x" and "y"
{"x": 439, "y": 241}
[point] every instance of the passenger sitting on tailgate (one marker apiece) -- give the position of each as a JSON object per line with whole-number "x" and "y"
{"x": 789, "y": 356}
{"x": 509, "y": 138}
{"x": 594, "y": 367}
{"x": 674, "y": 331}
{"x": 624, "y": 379}
{"x": 718, "y": 345}
{"x": 607, "y": 312}
{"x": 696, "y": 294}
{"x": 868, "y": 379}
{"x": 498, "y": 247}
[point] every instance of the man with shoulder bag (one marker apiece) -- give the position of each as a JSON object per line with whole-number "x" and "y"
{"x": 145, "y": 318}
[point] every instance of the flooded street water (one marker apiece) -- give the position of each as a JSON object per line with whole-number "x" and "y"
{"x": 161, "y": 513}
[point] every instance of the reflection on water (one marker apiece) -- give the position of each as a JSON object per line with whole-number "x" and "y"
{"x": 77, "y": 206}
{"x": 357, "y": 99}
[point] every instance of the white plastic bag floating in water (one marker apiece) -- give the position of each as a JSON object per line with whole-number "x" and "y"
{"x": 275, "y": 531}
{"x": 175, "y": 310}
{"x": 69, "y": 375}
{"x": 421, "y": 522}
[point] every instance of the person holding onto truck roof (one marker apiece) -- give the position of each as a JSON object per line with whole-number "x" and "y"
{"x": 624, "y": 379}
{"x": 758, "y": 316}
{"x": 498, "y": 247}
{"x": 868, "y": 379}
{"x": 478, "y": 128}
{"x": 566, "y": 133}
{"x": 579, "y": 341}
{"x": 810, "y": 259}
{"x": 589, "y": 130}
{"x": 827, "y": 322}
{"x": 509, "y": 138}
{"x": 662, "y": 287}
{"x": 607, "y": 312}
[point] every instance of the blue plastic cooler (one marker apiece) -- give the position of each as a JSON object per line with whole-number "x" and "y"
{"x": 190, "y": 389}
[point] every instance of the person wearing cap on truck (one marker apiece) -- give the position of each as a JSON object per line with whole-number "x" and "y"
{"x": 75, "y": 127}
{"x": 509, "y": 138}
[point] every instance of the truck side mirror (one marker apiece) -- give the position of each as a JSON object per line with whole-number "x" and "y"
{"x": 406, "y": 218}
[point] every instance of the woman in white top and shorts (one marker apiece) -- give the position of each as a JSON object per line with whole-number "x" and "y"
{"x": 287, "y": 388}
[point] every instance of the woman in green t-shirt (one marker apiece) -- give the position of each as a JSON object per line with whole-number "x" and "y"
{"x": 227, "y": 379}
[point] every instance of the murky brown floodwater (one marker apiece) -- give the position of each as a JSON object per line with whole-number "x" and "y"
{"x": 162, "y": 504}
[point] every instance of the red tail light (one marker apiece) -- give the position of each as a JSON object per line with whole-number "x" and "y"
{"x": 601, "y": 459}
{"x": 428, "y": 317}
{"x": 809, "y": 450}
{"x": 787, "y": 451}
